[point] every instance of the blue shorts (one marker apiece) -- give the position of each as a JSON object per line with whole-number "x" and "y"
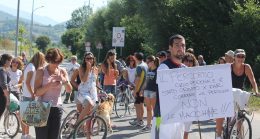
{"x": 149, "y": 94}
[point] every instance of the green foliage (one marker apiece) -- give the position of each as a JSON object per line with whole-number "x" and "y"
{"x": 79, "y": 17}
{"x": 42, "y": 42}
{"x": 211, "y": 27}
{"x": 72, "y": 37}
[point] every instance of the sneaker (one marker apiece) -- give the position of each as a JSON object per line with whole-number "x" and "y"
{"x": 134, "y": 122}
{"x": 65, "y": 102}
{"x": 145, "y": 129}
{"x": 23, "y": 136}
{"x": 218, "y": 137}
{"x": 30, "y": 137}
{"x": 140, "y": 123}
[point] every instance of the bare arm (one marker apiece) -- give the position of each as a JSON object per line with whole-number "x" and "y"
{"x": 83, "y": 75}
{"x": 65, "y": 81}
{"x": 251, "y": 77}
{"x": 74, "y": 78}
{"x": 28, "y": 83}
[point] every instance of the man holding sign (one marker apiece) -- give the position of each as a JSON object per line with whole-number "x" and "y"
{"x": 177, "y": 48}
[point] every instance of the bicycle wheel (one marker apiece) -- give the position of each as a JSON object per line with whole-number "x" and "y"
{"x": 11, "y": 124}
{"x": 67, "y": 126}
{"x": 130, "y": 102}
{"x": 94, "y": 127}
{"x": 121, "y": 105}
{"x": 242, "y": 129}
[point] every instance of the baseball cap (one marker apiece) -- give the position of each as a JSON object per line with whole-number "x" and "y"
{"x": 230, "y": 53}
{"x": 161, "y": 54}
{"x": 240, "y": 51}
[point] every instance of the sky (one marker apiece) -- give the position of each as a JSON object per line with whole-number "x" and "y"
{"x": 58, "y": 10}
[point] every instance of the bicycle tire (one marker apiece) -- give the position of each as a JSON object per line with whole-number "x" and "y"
{"x": 94, "y": 131}
{"x": 247, "y": 129}
{"x": 7, "y": 123}
{"x": 68, "y": 126}
{"x": 121, "y": 106}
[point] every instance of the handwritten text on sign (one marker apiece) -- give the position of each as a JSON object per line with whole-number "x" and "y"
{"x": 199, "y": 93}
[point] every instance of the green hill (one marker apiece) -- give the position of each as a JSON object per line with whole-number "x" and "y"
{"x": 8, "y": 25}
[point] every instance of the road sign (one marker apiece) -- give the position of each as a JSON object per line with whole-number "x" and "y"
{"x": 99, "y": 45}
{"x": 118, "y": 39}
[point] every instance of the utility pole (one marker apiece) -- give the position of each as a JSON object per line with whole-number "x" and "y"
{"x": 17, "y": 28}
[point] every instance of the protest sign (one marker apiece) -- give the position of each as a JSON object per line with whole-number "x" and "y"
{"x": 192, "y": 94}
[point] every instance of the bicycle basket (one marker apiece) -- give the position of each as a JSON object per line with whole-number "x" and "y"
{"x": 241, "y": 98}
{"x": 13, "y": 106}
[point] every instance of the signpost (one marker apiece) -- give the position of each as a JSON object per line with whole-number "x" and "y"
{"x": 87, "y": 46}
{"x": 118, "y": 39}
{"x": 99, "y": 46}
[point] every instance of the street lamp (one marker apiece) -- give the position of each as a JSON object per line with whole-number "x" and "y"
{"x": 31, "y": 26}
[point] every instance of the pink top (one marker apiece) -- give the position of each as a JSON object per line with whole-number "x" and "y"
{"x": 54, "y": 94}
{"x": 111, "y": 79}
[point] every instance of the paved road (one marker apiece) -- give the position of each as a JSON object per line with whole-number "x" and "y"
{"x": 125, "y": 131}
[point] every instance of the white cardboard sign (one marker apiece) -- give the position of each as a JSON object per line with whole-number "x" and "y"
{"x": 192, "y": 94}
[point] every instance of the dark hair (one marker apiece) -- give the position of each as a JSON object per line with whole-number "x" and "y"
{"x": 128, "y": 59}
{"x": 139, "y": 56}
{"x": 187, "y": 55}
{"x": 161, "y": 54}
{"x": 221, "y": 58}
{"x": 155, "y": 59}
{"x": 4, "y": 58}
{"x": 53, "y": 54}
{"x": 84, "y": 66}
{"x": 111, "y": 52}
{"x": 174, "y": 37}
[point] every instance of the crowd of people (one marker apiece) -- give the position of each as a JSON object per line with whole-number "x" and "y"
{"x": 43, "y": 78}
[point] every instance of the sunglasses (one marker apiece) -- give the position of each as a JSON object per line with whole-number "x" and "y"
{"x": 240, "y": 56}
{"x": 89, "y": 58}
{"x": 187, "y": 60}
{"x": 15, "y": 62}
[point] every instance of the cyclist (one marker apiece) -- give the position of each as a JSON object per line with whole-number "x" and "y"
{"x": 239, "y": 72}
{"x": 87, "y": 91}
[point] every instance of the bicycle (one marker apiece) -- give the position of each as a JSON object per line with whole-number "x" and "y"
{"x": 11, "y": 121}
{"x": 124, "y": 100}
{"x": 239, "y": 126}
{"x": 68, "y": 125}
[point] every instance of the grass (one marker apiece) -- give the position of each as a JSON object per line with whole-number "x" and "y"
{"x": 254, "y": 103}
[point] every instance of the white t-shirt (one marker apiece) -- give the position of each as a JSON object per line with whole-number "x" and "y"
{"x": 71, "y": 67}
{"x": 15, "y": 77}
{"x": 131, "y": 74}
{"x": 28, "y": 68}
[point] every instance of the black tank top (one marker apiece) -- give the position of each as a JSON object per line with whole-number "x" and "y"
{"x": 238, "y": 81}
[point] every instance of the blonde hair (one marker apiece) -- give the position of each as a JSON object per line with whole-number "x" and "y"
{"x": 38, "y": 60}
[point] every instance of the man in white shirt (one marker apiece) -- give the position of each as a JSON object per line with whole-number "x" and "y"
{"x": 70, "y": 69}
{"x": 176, "y": 130}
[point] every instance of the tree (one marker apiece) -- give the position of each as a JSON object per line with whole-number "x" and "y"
{"x": 42, "y": 42}
{"x": 72, "y": 37}
{"x": 79, "y": 17}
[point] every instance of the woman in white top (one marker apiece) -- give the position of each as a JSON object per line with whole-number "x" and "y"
{"x": 131, "y": 68}
{"x": 15, "y": 73}
{"x": 35, "y": 63}
{"x": 87, "y": 91}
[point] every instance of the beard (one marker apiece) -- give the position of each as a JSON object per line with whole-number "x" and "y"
{"x": 179, "y": 55}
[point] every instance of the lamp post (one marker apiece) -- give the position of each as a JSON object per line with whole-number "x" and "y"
{"x": 17, "y": 28}
{"x": 31, "y": 26}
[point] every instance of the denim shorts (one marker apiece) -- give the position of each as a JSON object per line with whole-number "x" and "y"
{"x": 149, "y": 94}
{"x": 27, "y": 98}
